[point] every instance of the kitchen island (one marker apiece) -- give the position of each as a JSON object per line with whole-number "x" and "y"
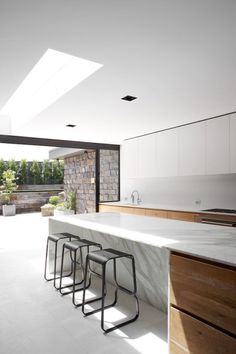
{"x": 151, "y": 240}
{"x": 185, "y": 269}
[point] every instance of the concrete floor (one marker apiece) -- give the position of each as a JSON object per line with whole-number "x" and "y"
{"x": 34, "y": 318}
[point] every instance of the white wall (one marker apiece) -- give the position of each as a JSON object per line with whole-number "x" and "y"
{"x": 182, "y": 165}
{"x": 213, "y": 191}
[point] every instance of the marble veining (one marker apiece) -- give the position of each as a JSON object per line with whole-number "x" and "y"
{"x": 150, "y": 240}
{"x": 151, "y": 263}
{"x": 213, "y": 242}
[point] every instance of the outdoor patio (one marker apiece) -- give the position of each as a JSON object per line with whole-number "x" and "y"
{"x": 34, "y": 318}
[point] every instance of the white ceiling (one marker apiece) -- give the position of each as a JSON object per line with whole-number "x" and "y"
{"x": 176, "y": 56}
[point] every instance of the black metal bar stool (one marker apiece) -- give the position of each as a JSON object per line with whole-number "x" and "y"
{"x": 74, "y": 247}
{"x": 102, "y": 257}
{"x": 55, "y": 238}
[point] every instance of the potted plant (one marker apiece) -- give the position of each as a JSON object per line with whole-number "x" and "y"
{"x": 67, "y": 207}
{"x": 47, "y": 210}
{"x": 8, "y": 187}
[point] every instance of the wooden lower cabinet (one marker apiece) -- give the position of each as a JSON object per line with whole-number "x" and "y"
{"x": 181, "y": 215}
{"x": 190, "y": 335}
{"x": 156, "y": 212}
{"x": 202, "y": 306}
{"x": 205, "y": 290}
{"x": 177, "y": 215}
{"x": 171, "y": 214}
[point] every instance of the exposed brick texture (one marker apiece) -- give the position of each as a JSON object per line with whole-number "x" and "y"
{"x": 109, "y": 171}
{"x": 79, "y": 177}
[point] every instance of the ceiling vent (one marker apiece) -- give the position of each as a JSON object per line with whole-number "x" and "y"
{"x": 128, "y": 98}
{"x": 71, "y": 125}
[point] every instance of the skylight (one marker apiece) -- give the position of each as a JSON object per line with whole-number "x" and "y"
{"x": 53, "y": 76}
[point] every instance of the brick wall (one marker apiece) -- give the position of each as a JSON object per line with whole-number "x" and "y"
{"x": 79, "y": 177}
{"x": 109, "y": 172}
{"x": 33, "y": 197}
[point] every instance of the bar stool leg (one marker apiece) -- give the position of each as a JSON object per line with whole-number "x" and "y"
{"x": 46, "y": 259}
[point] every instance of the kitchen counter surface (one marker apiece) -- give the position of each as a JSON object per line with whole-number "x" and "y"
{"x": 215, "y": 243}
{"x": 183, "y": 208}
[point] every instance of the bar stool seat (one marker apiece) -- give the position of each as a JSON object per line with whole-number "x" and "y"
{"x": 60, "y": 236}
{"x": 102, "y": 257}
{"x": 55, "y": 238}
{"x": 73, "y": 247}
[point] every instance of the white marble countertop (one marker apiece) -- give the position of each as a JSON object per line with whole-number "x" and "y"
{"x": 184, "y": 208}
{"x": 216, "y": 243}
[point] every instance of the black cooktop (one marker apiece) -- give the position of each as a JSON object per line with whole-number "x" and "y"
{"x": 218, "y": 210}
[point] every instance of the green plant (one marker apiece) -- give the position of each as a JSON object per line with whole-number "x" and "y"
{"x": 61, "y": 167}
{"x": 54, "y": 200}
{"x": 35, "y": 170}
{"x": 61, "y": 206}
{"x": 12, "y": 165}
{"x": 8, "y": 186}
{"x": 46, "y": 174}
{"x": 22, "y": 172}
{"x": 2, "y": 168}
{"x": 71, "y": 201}
{"x": 56, "y": 173}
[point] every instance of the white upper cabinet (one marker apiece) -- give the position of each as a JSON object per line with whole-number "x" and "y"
{"x": 147, "y": 166}
{"x": 217, "y": 146}
{"x": 233, "y": 143}
{"x": 129, "y": 158}
{"x": 192, "y": 149}
{"x": 207, "y": 147}
{"x": 167, "y": 153}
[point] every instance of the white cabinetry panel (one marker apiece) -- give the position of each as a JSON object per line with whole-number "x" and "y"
{"x": 147, "y": 156}
{"x": 233, "y": 143}
{"x": 167, "y": 153}
{"x": 217, "y": 146}
{"x": 192, "y": 149}
{"x": 129, "y": 155}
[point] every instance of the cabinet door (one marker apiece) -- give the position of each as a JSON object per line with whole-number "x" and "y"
{"x": 129, "y": 158}
{"x": 192, "y": 149}
{"x": 167, "y": 153}
{"x": 233, "y": 143}
{"x": 188, "y": 335}
{"x": 204, "y": 290}
{"x": 147, "y": 156}
{"x": 217, "y": 146}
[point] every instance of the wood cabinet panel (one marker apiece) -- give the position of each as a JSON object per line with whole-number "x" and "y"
{"x": 138, "y": 211}
{"x": 205, "y": 290}
{"x": 189, "y": 335}
{"x": 115, "y": 209}
{"x": 178, "y": 215}
{"x": 157, "y": 213}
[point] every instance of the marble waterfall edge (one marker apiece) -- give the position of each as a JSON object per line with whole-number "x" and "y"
{"x": 151, "y": 262}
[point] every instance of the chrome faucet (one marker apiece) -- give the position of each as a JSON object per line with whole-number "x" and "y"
{"x": 133, "y": 198}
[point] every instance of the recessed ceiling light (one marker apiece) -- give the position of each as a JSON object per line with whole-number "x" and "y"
{"x": 128, "y": 98}
{"x": 53, "y": 76}
{"x": 70, "y": 125}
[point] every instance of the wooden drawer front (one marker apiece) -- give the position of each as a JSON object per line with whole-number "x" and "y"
{"x": 189, "y": 335}
{"x": 157, "y": 213}
{"x": 181, "y": 216}
{"x": 138, "y": 211}
{"x": 109, "y": 209}
{"x": 205, "y": 290}
{"x": 115, "y": 209}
